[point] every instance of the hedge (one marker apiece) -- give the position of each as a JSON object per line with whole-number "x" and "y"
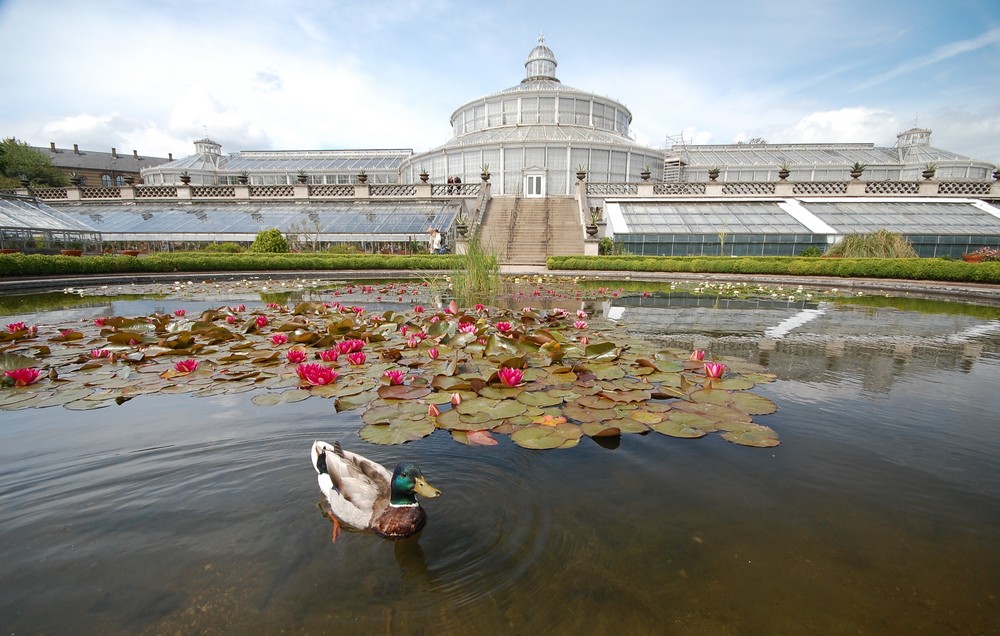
{"x": 44, "y": 265}
{"x": 903, "y": 268}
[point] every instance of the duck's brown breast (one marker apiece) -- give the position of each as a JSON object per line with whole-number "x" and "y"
{"x": 399, "y": 522}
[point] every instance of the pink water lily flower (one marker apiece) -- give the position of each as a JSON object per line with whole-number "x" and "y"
{"x": 186, "y": 366}
{"x": 467, "y": 327}
{"x": 279, "y": 338}
{"x": 581, "y": 314}
{"x": 296, "y": 356}
{"x": 456, "y": 399}
{"x": 433, "y": 410}
{"x": 329, "y": 355}
{"x": 350, "y": 346}
{"x": 231, "y": 319}
{"x": 510, "y": 376}
{"x": 433, "y": 353}
{"x": 714, "y": 369}
{"x": 316, "y": 374}
{"x": 356, "y": 358}
{"x": 580, "y": 324}
{"x": 394, "y": 376}
{"x": 504, "y": 327}
{"x": 100, "y": 353}
{"x": 23, "y": 377}
{"x": 419, "y": 309}
{"x": 697, "y": 355}
{"x": 14, "y": 327}
{"x": 261, "y": 321}
{"x": 413, "y": 342}
{"x": 179, "y": 312}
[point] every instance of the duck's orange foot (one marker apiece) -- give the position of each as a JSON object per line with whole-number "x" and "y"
{"x": 336, "y": 528}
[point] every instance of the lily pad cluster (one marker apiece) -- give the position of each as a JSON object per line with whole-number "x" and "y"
{"x": 545, "y": 377}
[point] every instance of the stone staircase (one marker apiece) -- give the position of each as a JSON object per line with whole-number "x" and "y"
{"x": 524, "y": 231}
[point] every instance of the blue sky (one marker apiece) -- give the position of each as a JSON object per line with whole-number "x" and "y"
{"x": 154, "y": 75}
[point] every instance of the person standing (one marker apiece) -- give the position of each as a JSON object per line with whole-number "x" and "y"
{"x": 434, "y": 242}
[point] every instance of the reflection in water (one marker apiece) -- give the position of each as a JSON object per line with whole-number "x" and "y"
{"x": 879, "y": 513}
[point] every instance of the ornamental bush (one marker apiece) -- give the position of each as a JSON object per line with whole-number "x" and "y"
{"x": 270, "y": 241}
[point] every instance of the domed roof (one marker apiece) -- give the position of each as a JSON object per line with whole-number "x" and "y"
{"x": 541, "y": 63}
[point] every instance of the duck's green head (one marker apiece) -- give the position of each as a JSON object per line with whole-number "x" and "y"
{"x": 407, "y": 480}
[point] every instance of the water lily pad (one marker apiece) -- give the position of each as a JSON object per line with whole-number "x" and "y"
{"x": 547, "y": 437}
{"x": 266, "y": 399}
{"x": 753, "y": 435}
{"x": 11, "y": 361}
{"x": 396, "y": 432}
{"x": 597, "y": 429}
{"x": 403, "y": 392}
{"x": 677, "y": 428}
{"x": 540, "y": 399}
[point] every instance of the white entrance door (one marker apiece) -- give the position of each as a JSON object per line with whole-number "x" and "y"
{"x": 534, "y": 185}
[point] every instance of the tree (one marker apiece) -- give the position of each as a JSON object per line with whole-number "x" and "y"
{"x": 19, "y": 160}
{"x": 269, "y": 241}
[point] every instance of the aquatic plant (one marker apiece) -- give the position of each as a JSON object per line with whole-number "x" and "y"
{"x": 531, "y": 374}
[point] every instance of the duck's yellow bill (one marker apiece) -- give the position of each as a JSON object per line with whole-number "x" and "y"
{"x": 425, "y": 489}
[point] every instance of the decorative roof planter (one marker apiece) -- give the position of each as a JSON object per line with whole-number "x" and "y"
{"x": 581, "y": 172}
{"x": 362, "y": 177}
{"x": 929, "y": 171}
{"x": 713, "y": 174}
{"x": 185, "y": 178}
{"x": 783, "y": 170}
{"x": 485, "y": 174}
{"x": 857, "y": 169}
{"x": 645, "y": 173}
{"x": 424, "y": 176}
{"x": 301, "y": 177}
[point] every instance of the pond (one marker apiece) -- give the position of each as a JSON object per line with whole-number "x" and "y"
{"x": 878, "y": 513}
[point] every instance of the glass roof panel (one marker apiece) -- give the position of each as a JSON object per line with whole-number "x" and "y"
{"x": 390, "y": 220}
{"x": 710, "y": 217}
{"x": 906, "y": 218}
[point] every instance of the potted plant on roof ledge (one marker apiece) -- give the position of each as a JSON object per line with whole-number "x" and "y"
{"x": 581, "y": 172}
{"x": 461, "y": 225}
{"x": 929, "y": 170}
{"x": 243, "y": 177}
{"x": 424, "y": 176}
{"x": 185, "y": 178}
{"x": 645, "y": 173}
{"x": 857, "y": 169}
{"x": 75, "y": 179}
{"x": 302, "y": 177}
{"x": 784, "y": 170}
{"x": 713, "y": 173}
{"x": 362, "y": 176}
{"x": 485, "y": 173}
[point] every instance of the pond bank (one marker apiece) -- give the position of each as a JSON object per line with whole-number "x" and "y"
{"x": 969, "y": 292}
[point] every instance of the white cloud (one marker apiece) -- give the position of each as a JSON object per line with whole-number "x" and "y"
{"x": 855, "y": 124}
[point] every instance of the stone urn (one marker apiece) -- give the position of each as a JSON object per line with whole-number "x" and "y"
{"x": 713, "y": 174}
{"x": 424, "y": 177}
{"x": 591, "y": 230}
{"x": 927, "y": 174}
{"x": 645, "y": 175}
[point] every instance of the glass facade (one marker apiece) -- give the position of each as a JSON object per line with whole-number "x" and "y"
{"x": 212, "y": 222}
{"x": 769, "y": 228}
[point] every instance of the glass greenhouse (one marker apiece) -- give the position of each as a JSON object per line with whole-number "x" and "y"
{"x": 28, "y": 225}
{"x": 384, "y": 223}
{"x": 785, "y": 227}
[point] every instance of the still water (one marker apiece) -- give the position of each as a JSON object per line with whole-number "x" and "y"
{"x": 878, "y": 514}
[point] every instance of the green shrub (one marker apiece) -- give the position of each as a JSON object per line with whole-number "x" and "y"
{"x": 269, "y": 241}
{"x": 227, "y": 248}
{"x": 880, "y": 244}
{"x": 811, "y": 251}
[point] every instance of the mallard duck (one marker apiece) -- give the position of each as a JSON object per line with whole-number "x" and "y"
{"x": 364, "y": 495}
